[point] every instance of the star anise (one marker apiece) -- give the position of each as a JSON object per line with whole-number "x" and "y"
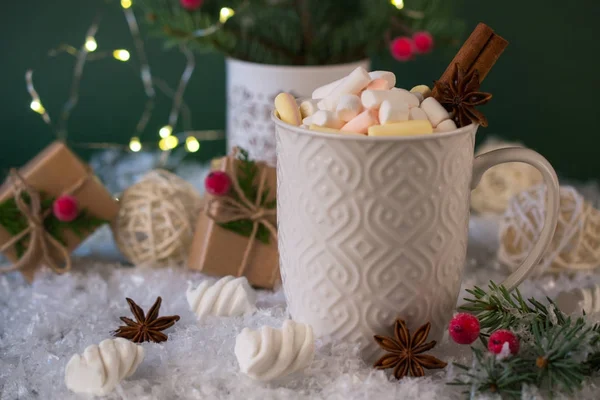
{"x": 406, "y": 352}
{"x": 145, "y": 328}
{"x": 461, "y": 96}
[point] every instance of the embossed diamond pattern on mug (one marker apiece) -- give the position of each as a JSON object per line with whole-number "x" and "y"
{"x": 369, "y": 231}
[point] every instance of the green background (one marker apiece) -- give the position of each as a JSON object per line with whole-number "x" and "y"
{"x": 544, "y": 86}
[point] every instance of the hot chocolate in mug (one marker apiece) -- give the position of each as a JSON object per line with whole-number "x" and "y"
{"x": 375, "y": 228}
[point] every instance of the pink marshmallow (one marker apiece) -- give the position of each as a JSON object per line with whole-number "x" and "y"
{"x": 378, "y": 84}
{"x": 362, "y": 122}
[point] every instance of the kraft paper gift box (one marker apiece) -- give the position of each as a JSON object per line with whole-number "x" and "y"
{"x": 219, "y": 252}
{"x": 52, "y": 173}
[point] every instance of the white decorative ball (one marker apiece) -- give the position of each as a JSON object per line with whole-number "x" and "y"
{"x": 156, "y": 220}
{"x": 501, "y": 182}
{"x": 270, "y": 353}
{"x": 228, "y": 297}
{"x": 101, "y": 367}
{"x": 576, "y": 241}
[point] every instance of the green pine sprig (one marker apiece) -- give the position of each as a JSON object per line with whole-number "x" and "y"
{"x": 498, "y": 308}
{"x": 557, "y": 352}
{"x": 14, "y": 222}
{"x": 247, "y": 174}
{"x": 490, "y": 375}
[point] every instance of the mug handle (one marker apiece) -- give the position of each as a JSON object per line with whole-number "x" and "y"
{"x": 487, "y": 160}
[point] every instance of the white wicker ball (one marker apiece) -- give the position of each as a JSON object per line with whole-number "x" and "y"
{"x": 501, "y": 182}
{"x": 156, "y": 220}
{"x": 576, "y": 241}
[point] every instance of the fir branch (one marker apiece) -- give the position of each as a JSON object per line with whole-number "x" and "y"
{"x": 14, "y": 222}
{"x": 489, "y": 375}
{"x": 558, "y": 352}
{"x": 498, "y": 308}
{"x": 247, "y": 173}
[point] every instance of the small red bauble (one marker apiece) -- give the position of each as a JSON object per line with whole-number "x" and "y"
{"x": 423, "y": 42}
{"x": 65, "y": 208}
{"x": 464, "y": 328}
{"x": 402, "y": 48}
{"x": 217, "y": 183}
{"x": 498, "y": 338}
{"x": 191, "y": 5}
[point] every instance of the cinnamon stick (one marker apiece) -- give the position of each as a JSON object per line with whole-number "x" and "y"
{"x": 480, "y": 51}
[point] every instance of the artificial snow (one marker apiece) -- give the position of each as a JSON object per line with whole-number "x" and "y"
{"x": 44, "y": 324}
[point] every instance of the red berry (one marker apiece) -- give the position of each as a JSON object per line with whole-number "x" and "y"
{"x": 65, "y": 208}
{"x": 191, "y": 5}
{"x": 217, "y": 183}
{"x": 423, "y": 42}
{"x": 402, "y": 48}
{"x": 498, "y": 338}
{"x": 464, "y": 328}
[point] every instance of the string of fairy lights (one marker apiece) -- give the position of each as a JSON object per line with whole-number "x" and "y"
{"x": 89, "y": 52}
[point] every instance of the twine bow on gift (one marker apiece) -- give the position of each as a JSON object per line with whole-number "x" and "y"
{"x": 231, "y": 209}
{"x": 41, "y": 243}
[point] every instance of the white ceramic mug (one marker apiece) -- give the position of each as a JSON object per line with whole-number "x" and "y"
{"x": 375, "y": 228}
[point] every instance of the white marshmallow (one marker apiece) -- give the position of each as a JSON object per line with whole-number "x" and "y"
{"x": 387, "y": 75}
{"x": 372, "y": 99}
{"x": 416, "y": 114}
{"x": 445, "y": 126}
{"x": 325, "y": 90}
{"x": 352, "y": 84}
{"x": 435, "y": 111}
{"x": 419, "y": 96}
{"x": 308, "y": 108}
{"x": 409, "y": 98}
{"x": 392, "y": 112}
{"x": 324, "y": 118}
{"x": 349, "y": 106}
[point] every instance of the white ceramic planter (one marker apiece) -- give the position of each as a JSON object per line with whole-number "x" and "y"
{"x": 251, "y": 89}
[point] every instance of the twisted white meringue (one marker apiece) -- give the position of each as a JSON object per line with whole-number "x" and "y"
{"x": 273, "y": 353}
{"x": 228, "y": 297}
{"x": 100, "y": 369}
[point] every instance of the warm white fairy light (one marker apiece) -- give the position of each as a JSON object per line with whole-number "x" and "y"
{"x": 121, "y": 55}
{"x": 168, "y": 143}
{"x": 135, "y": 145}
{"x": 126, "y": 4}
{"x": 192, "y": 144}
{"x": 165, "y": 131}
{"x": 399, "y": 4}
{"x": 90, "y": 44}
{"x": 37, "y": 107}
{"x": 225, "y": 14}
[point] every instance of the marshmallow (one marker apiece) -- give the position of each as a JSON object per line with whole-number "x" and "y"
{"x": 406, "y": 128}
{"x": 423, "y": 90}
{"x": 445, "y": 126}
{"x": 287, "y": 108}
{"x": 324, "y": 118}
{"x": 379, "y": 84}
{"x": 387, "y": 75}
{"x": 392, "y": 112}
{"x": 352, "y": 84}
{"x": 323, "y": 129}
{"x": 308, "y": 108}
{"x": 349, "y": 106}
{"x": 417, "y": 114}
{"x": 419, "y": 96}
{"x": 331, "y": 130}
{"x": 436, "y": 113}
{"x": 362, "y": 122}
{"x": 373, "y": 98}
{"x": 325, "y": 90}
